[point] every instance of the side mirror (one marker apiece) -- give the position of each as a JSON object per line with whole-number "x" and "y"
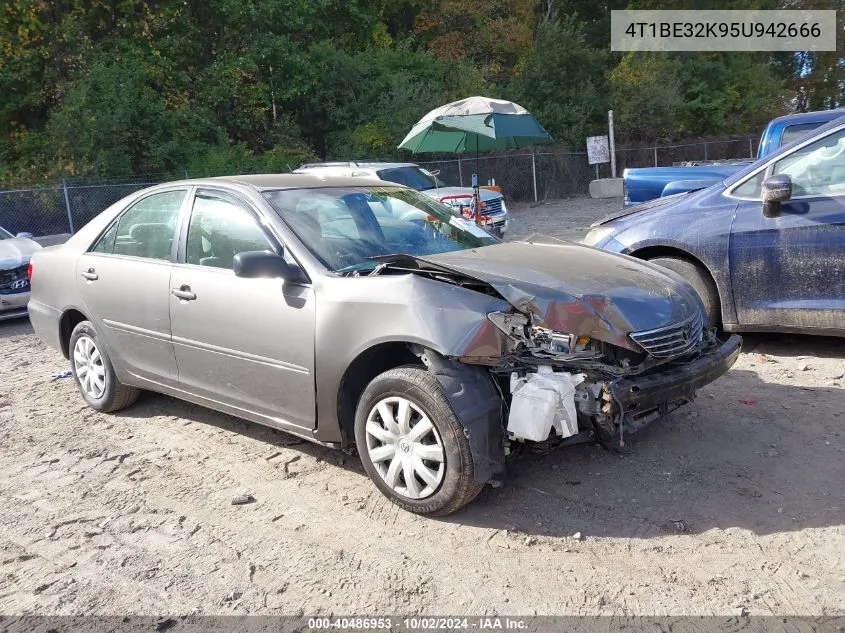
{"x": 24, "y": 234}
{"x": 776, "y": 189}
{"x": 253, "y": 264}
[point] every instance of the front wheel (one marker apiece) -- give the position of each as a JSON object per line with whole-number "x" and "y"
{"x": 412, "y": 445}
{"x": 93, "y": 372}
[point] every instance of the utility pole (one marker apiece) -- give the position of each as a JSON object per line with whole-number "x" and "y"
{"x": 612, "y": 144}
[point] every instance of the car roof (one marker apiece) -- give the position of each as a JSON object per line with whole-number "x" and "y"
{"x": 355, "y": 163}
{"x": 808, "y": 117}
{"x": 264, "y": 182}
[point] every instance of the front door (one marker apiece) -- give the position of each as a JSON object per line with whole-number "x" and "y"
{"x": 788, "y": 270}
{"x": 124, "y": 281}
{"x": 248, "y": 343}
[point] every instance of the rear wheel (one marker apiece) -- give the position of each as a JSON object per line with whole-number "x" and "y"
{"x": 94, "y": 374}
{"x": 412, "y": 445}
{"x": 700, "y": 280}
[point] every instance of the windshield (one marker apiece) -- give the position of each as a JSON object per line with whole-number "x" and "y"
{"x": 413, "y": 177}
{"x": 349, "y": 228}
{"x": 4, "y": 234}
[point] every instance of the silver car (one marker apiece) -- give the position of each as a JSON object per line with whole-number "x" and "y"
{"x": 494, "y": 213}
{"x": 15, "y": 253}
{"x": 304, "y": 304}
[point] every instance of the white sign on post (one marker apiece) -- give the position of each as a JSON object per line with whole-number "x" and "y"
{"x": 598, "y": 150}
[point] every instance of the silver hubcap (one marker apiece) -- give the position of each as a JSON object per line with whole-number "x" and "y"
{"x": 405, "y": 448}
{"x": 88, "y": 366}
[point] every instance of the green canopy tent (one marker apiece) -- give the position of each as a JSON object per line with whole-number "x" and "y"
{"x": 475, "y": 124}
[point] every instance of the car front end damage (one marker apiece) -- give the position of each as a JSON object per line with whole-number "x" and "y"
{"x": 561, "y": 365}
{"x": 612, "y": 391}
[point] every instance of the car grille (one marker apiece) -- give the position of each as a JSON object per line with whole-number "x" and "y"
{"x": 9, "y": 277}
{"x": 493, "y": 207}
{"x": 674, "y": 340}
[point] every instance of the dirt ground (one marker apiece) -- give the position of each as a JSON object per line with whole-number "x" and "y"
{"x": 734, "y": 504}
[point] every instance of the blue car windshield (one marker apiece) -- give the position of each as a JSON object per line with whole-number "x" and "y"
{"x": 348, "y": 228}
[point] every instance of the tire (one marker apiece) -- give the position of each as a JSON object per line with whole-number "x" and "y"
{"x": 88, "y": 358}
{"x": 439, "y": 485}
{"x": 701, "y": 281}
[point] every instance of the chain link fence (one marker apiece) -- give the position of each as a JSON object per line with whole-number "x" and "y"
{"x": 523, "y": 177}
{"x": 545, "y": 175}
{"x": 62, "y": 209}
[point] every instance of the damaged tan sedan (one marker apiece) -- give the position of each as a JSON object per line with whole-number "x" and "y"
{"x": 364, "y": 314}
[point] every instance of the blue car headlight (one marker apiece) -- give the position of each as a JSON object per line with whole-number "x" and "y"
{"x": 598, "y": 235}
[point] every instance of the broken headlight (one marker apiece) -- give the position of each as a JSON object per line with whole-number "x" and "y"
{"x": 518, "y": 327}
{"x": 513, "y": 324}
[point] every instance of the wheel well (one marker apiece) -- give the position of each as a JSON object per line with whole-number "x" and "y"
{"x": 650, "y": 252}
{"x": 366, "y": 366}
{"x": 70, "y": 319}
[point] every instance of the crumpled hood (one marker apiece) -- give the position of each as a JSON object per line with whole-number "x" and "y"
{"x": 16, "y": 252}
{"x": 573, "y": 288}
{"x": 443, "y": 192}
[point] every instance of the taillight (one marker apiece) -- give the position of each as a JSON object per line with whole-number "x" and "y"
{"x": 29, "y": 272}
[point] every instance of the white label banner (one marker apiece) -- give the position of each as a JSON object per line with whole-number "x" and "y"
{"x": 751, "y": 30}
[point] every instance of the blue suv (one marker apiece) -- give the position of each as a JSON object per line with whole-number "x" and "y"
{"x": 763, "y": 248}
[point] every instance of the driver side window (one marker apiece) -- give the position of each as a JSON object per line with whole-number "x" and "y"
{"x": 817, "y": 169}
{"x": 219, "y": 230}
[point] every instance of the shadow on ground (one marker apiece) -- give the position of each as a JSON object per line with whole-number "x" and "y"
{"x": 14, "y": 328}
{"x": 773, "y": 465}
{"x": 762, "y": 456}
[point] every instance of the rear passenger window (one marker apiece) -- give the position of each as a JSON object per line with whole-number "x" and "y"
{"x": 794, "y": 132}
{"x": 146, "y": 229}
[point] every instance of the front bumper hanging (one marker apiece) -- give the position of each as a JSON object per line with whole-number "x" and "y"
{"x": 645, "y": 398}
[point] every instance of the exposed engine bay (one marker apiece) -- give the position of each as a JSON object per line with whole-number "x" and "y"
{"x": 567, "y": 383}
{"x": 572, "y": 364}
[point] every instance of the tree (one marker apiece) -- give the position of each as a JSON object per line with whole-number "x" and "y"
{"x": 646, "y": 97}
{"x": 562, "y": 82}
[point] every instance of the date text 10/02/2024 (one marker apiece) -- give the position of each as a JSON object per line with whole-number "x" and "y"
{"x": 418, "y": 623}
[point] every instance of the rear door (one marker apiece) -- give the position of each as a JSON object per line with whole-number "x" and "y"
{"x": 787, "y": 270}
{"x": 124, "y": 281}
{"x": 246, "y": 343}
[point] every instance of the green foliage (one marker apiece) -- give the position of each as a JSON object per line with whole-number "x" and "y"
{"x": 562, "y": 82}
{"x": 735, "y": 92}
{"x": 647, "y": 96}
{"x": 116, "y": 88}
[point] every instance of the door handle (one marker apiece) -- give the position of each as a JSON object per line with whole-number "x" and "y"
{"x": 184, "y": 293}
{"x": 90, "y": 275}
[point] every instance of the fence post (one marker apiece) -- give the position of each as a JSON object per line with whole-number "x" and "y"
{"x": 534, "y": 174}
{"x": 612, "y": 144}
{"x": 750, "y": 148}
{"x": 67, "y": 205}
{"x": 705, "y": 150}
{"x": 655, "y": 155}
{"x": 460, "y": 172}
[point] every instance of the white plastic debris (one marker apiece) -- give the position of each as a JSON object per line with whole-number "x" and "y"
{"x": 542, "y": 402}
